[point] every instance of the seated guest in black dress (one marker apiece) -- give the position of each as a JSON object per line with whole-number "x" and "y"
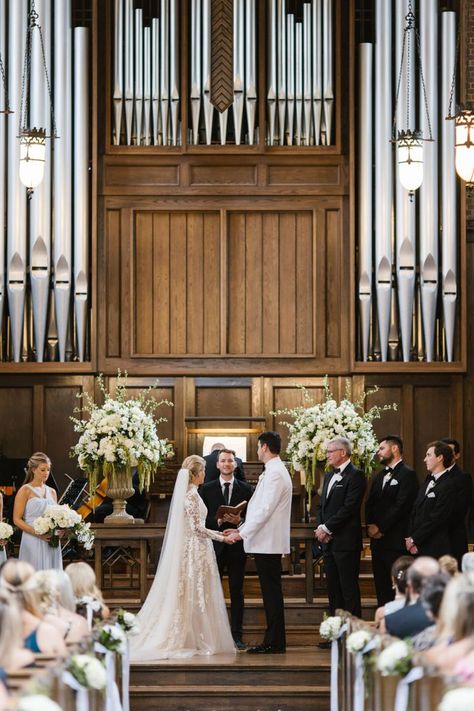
{"x": 412, "y": 618}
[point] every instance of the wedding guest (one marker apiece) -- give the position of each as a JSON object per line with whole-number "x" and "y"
{"x": 38, "y": 635}
{"x": 399, "y": 583}
{"x": 13, "y": 656}
{"x": 449, "y": 565}
{"x": 89, "y": 601}
{"x": 266, "y": 535}
{"x": 412, "y": 618}
{"x": 431, "y": 598}
{"x": 58, "y": 604}
{"x": 31, "y": 501}
{"x": 462, "y": 502}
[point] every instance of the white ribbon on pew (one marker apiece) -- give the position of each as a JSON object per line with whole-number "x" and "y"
{"x": 359, "y": 684}
{"x": 82, "y": 694}
{"x": 334, "y": 668}
{"x": 126, "y": 678}
{"x": 112, "y": 702}
{"x": 403, "y": 688}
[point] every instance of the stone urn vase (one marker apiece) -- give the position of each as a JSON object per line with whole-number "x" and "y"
{"x": 119, "y": 489}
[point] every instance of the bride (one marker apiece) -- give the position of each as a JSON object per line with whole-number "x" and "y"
{"x": 185, "y": 613}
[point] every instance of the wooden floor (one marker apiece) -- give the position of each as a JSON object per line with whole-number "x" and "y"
{"x": 297, "y": 680}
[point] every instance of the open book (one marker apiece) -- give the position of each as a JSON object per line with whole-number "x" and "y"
{"x": 223, "y": 510}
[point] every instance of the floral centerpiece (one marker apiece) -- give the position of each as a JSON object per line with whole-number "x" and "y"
{"x": 60, "y": 517}
{"x": 118, "y": 436}
{"x": 6, "y": 532}
{"x": 314, "y": 425}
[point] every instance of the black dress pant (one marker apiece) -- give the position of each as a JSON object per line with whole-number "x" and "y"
{"x": 232, "y": 559}
{"x": 269, "y": 573}
{"x": 342, "y": 579}
{"x": 382, "y": 562}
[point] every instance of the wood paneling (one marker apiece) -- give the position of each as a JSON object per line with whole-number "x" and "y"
{"x": 16, "y": 434}
{"x": 223, "y": 175}
{"x": 113, "y": 276}
{"x": 304, "y": 175}
{"x": 59, "y": 402}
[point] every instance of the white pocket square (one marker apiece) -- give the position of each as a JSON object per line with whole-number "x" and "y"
{"x": 394, "y": 482}
{"x": 431, "y": 495}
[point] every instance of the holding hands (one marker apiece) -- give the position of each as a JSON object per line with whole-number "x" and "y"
{"x": 231, "y": 535}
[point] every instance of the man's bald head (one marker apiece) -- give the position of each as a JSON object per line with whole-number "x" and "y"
{"x": 217, "y": 446}
{"x": 421, "y": 569}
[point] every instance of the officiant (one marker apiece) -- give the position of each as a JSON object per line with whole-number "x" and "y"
{"x": 228, "y": 490}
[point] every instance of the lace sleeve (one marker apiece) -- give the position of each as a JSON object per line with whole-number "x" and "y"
{"x": 191, "y": 508}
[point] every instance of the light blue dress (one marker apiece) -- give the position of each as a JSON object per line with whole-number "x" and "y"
{"x": 33, "y": 549}
{"x": 3, "y": 554}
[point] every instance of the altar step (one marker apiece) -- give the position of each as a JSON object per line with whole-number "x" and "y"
{"x": 295, "y": 681}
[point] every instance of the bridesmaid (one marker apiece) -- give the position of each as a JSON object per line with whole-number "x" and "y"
{"x": 31, "y": 501}
{"x": 3, "y": 553}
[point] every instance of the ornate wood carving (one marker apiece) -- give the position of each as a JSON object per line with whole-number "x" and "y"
{"x": 222, "y": 88}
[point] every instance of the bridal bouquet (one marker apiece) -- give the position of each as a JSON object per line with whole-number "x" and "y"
{"x": 6, "y": 532}
{"x": 60, "y": 517}
{"x": 314, "y": 425}
{"x": 119, "y": 435}
{"x": 395, "y": 659}
{"x": 88, "y": 671}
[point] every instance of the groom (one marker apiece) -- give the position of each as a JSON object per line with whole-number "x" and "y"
{"x": 266, "y": 534}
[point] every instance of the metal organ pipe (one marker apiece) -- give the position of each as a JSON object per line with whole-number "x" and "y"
{"x": 3, "y": 125}
{"x": 239, "y": 64}
{"x": 281, "y": 9}
{"x": 118, "y": 71}
{"x": 272, "y": 70}
{"x": 155, "y": 78}
{"x": 164, "y": 70}
{"x": 317, "y": 69}
{"x": 307, "y": 74}
{"x": 448, "y": 184}
{"x": 328, "y": 88}
{"x": 206, "y": 70}
{"x": 16, "y": 204}
{"x": 290, "y": 75}
{"x": 138, "y": 74}
{"x": 174, "y": 70}
{"x": 81, "y": 185}
{"x": 146, "y": 85}
{"x": 40, "y": 202}
{"x": 250, "y": 68}
{"x": 299, "y": 81}
{"x": 128, "y": 70}
{"x": 195, "y": 94}
{"x": 365, "y": 193}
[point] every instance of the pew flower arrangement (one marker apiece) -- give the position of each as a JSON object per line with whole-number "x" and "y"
{"x": 112, "y": 637}
{"x": 461, "y": 699}
{"x": 315, "y": 424}
{"x": 330, "y": 627}
{"x": 37, "y": 702}
{"x": 6, "y": 532}
{"x": 357, "y": 641}
{"x": 127, "y": 621}
{"x": 395, "y": 659}
{"x": 88, "y": 671}
{"x": 120, "y": 435}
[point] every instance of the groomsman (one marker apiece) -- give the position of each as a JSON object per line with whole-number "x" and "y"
{"x": 387, "y": 513}
{"x": 462, "y": 503}
{"x": 429, "y": 528}
{"x": 339, "y": 528}
{"x": 228, "y": 490}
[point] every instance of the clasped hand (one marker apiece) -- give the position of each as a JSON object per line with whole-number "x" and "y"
{"x": 321, "y": 535}
{"x": 231, "y": 535}
{"x": 373, "y": 531}
{"x": 410, "y": 546}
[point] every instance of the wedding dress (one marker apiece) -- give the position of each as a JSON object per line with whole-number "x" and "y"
{"x": 184, "y": 613}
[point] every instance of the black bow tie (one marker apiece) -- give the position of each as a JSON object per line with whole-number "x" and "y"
{"x": 388, "y": 470}
{"x": 336, "y": 471}
{"x": 432, "y": 478}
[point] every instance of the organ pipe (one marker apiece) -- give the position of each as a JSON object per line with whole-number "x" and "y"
{"x": 174, "y": 70}
{"x": 138, "y": 84}
{"x": 272, "y": 70}
{"x": 239, "y": 64}
{"x": 128, "y": 70}
{"x": 317, "y": 69}
{"x": 195, "y": 67}
{"x": 164, "y": 70}
{"x": 250, "y": 68}
{"x": 206, "y": 70}
{"x": 307, "y": 74}
{"x": 3, "y": 163}
{"x": 118, "y": 71}
{"x": 146, "y": 85}
{"x": 328, "y": 88}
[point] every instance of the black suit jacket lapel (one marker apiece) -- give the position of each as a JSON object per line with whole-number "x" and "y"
{"x": 235, "y": 493}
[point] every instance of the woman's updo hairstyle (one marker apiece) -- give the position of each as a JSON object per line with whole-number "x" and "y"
{"x": 194, "y": 464}
{"x": 33, "y": 463}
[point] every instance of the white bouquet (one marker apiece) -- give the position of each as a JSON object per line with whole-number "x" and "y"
{"x": 37, "y": 702}
{"x": 330, "y": 627}
{"x": 88, "y": 671}
{"x": 112, "y": 637}
{"x": 461, "y": 699}
{"x": 119, "y": 435}
{"x": 84, "y": 535}
{"x": 6, "y": 532}
{"x": 395, "y": 659}
{"x": 315, "y": 425}
{"x": 58, "y": 517}
{"x": 127, "y": 621}
{"x": 357, "y": 641}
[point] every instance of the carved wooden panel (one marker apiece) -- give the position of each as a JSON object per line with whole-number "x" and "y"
{"x": 59, "y": 402}
{"x": 176, "y": 283}
{"x": 222, "y": 88}
{"x": 16, "y": 434}
{"x": 112, "y": 269}
{"x": 270, "y": 283}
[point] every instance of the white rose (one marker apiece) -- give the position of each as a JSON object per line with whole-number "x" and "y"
{"x": 357, "y": 641}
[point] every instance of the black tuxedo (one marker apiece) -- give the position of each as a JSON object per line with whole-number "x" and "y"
{"x": 431, "y": 517}
{"x": 462, "y": 504}
{"x": 212, "y": 472}
{"x": 389, "y": 507}
{"x": 340, "y": 513}
{"x": 232, "y": 558}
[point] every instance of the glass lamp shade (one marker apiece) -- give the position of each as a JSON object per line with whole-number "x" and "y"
{"x": 465, "y": 146}
{"x": 32, "y": 157}
{"x": 410, "y": 161}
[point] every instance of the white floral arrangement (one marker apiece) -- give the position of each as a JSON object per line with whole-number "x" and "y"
{"x": 461, "y": 699}
{"x": 357, "y": 641}
{"x": 113, "y": 638}
{"x": 88, "y": 601}
{"x": 330, "y": 627}
{"x": 127, "y": 621}
{"x": 61, "y": 517}
{"x": 395, "y": 659}
{"x": 120, "y": 434}
{"x": 6, "y": 532}
{"x": 37, "y": 702}
{"x": 316, "y": 424}
{"x": 88, "y": 671}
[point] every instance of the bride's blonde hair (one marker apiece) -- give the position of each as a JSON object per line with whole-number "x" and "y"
{"x": 194, "y": 464}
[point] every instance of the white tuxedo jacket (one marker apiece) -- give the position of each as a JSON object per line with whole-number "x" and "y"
{"x": 267, "y": 520}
